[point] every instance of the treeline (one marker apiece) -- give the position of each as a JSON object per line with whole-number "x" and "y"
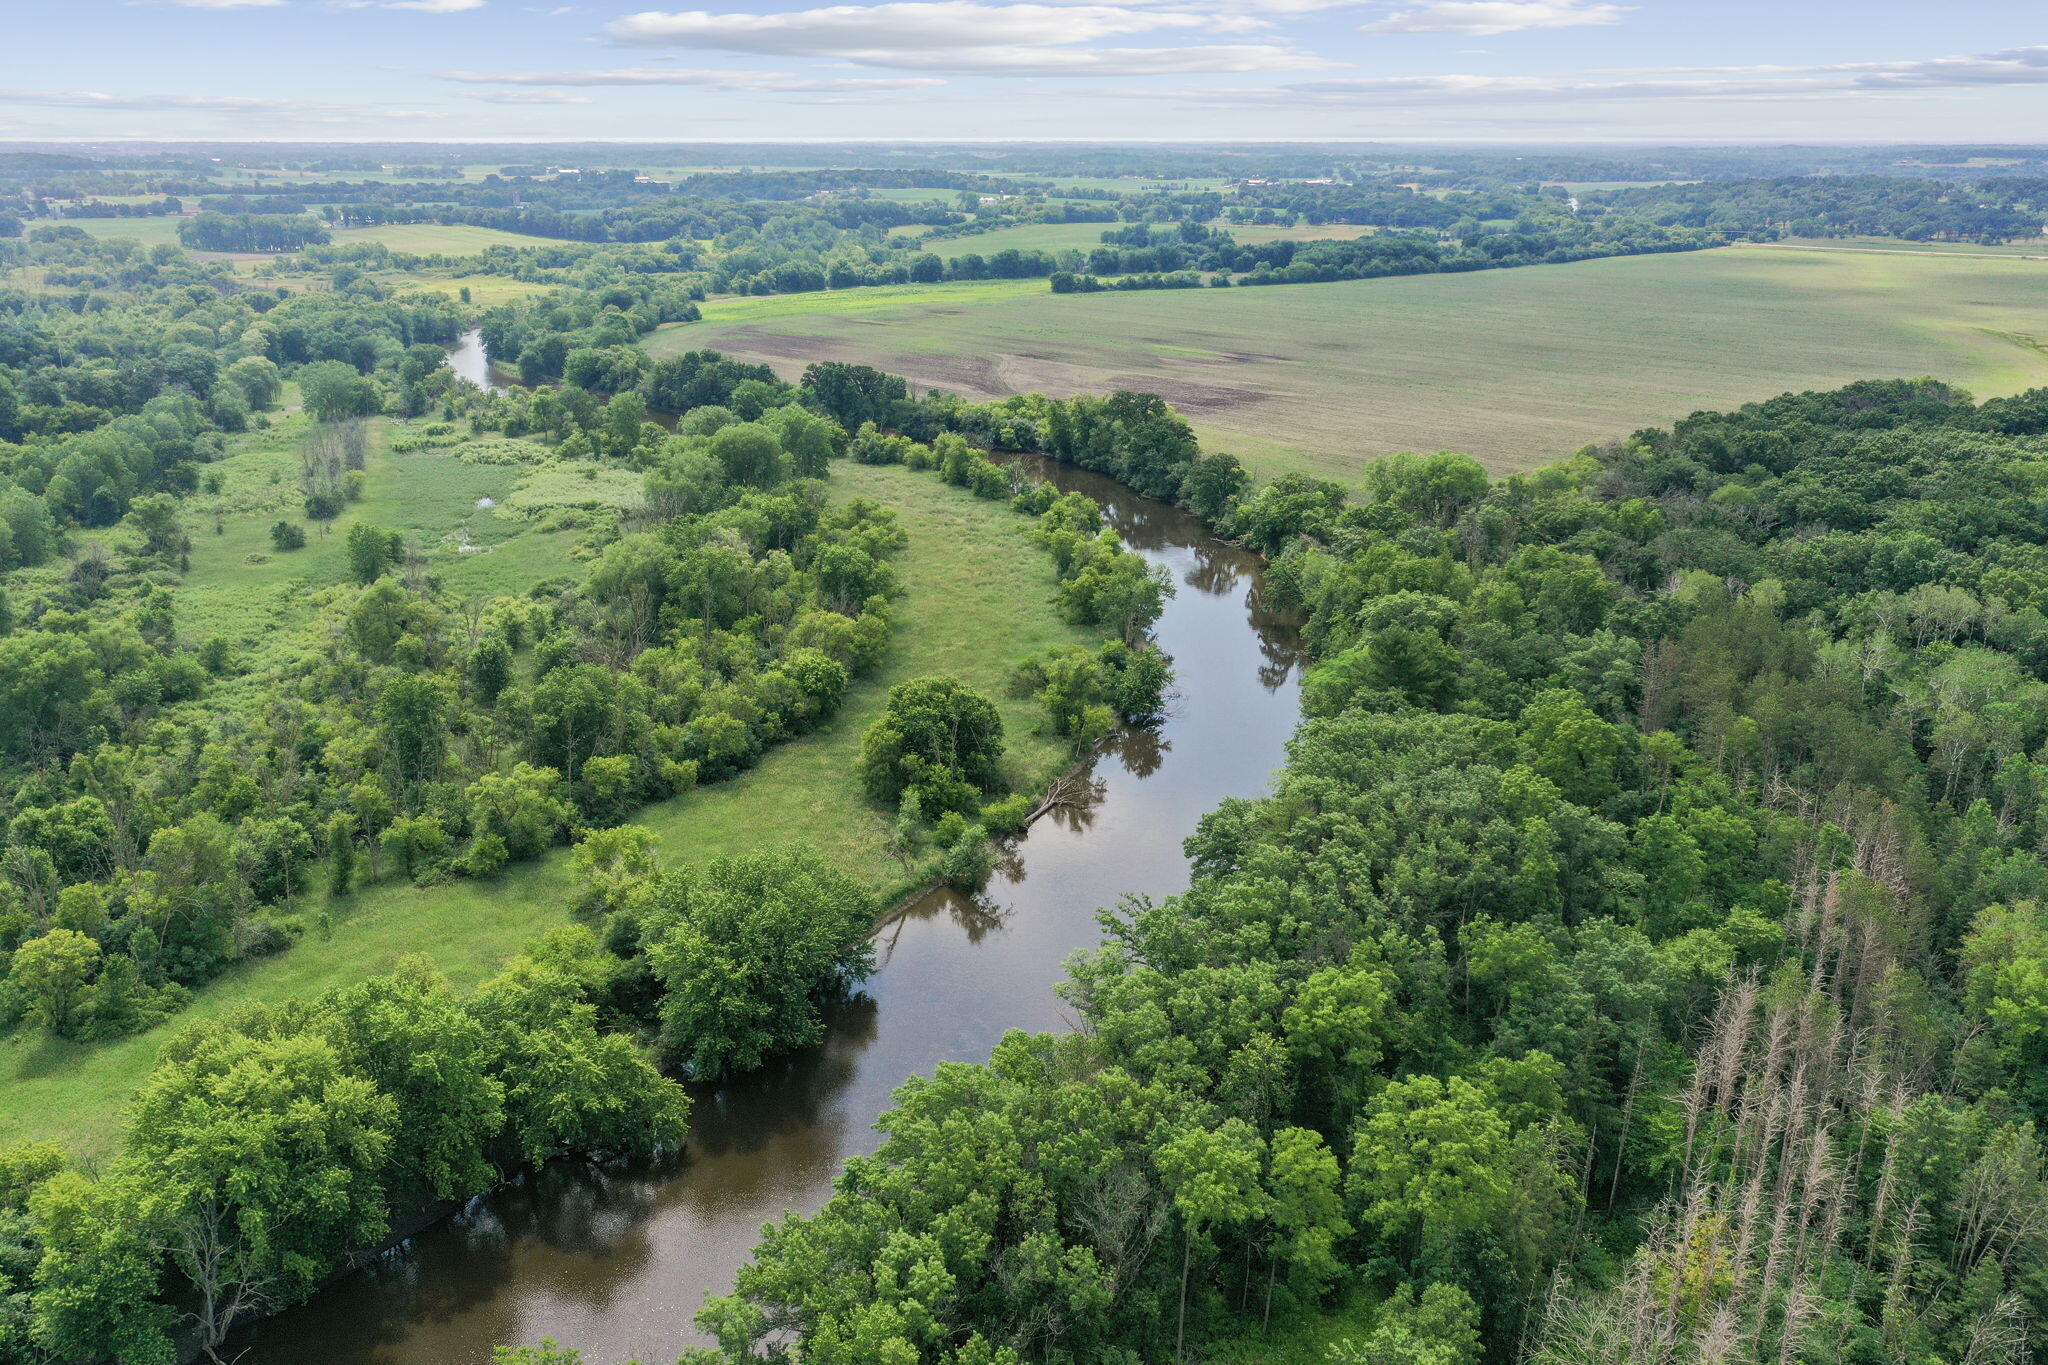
{"x": 100, "y": 208}
{"x": 211, "y": 231}
{"x": 1632, "y": 962}
{"x": 1997, "y": 210}
{"x": 1164, "y": 260}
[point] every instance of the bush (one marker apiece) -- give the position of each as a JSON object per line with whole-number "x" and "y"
{"x": 288, "y": 536}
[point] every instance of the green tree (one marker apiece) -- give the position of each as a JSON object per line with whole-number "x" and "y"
{"x": 1428, "y": 1160}
{"x": 1214, "y": 1174}
{"x": 936, "y": 735}
{"x": 49, "y": 977}
{"x": 411, "y": 1036}
{"x": 747, "y": 947}
{"x": 265, "y": 1155}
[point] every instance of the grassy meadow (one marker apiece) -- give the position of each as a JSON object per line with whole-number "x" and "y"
{"x": 448, "y": 239}
{"x": 1516, "y": 367}
{"x": 978, "y": 601}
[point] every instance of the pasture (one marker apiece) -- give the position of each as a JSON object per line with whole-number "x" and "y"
{"x": 977, "y": 602}
{"x": 448, "y": 239}
{"x": 1517, "y": 367}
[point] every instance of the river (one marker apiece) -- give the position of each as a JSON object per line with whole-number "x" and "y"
{"x": 616, "y": 1260}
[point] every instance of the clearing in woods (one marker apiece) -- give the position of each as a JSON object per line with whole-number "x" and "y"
{"x": 1517, "y": 367}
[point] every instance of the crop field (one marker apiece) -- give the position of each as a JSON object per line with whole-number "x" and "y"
{"x": 1516, "y": 367}
{"x": 1253, "y": 234}
{"x": 750, "y": 309}
{"x": 978, "y": 601}
{"x": 2036, "y": 249}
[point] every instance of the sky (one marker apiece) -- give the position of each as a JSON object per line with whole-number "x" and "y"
{"x": 1529, "y": 70}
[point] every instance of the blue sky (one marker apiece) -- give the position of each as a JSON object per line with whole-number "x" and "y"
{"x": 1535, "y": 70}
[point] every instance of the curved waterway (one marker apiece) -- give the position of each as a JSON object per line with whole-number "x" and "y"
{"x": 616, "y": 1260}
{"x": 468, "y": 358}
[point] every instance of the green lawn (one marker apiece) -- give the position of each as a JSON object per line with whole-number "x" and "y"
{"x": 978, "y": 602}
{"x": 1517, "y": 367}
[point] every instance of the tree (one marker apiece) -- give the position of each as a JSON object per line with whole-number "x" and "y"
{"x": 1437, "y": 1325}
{"x": 1306, "y": 1203}
{"x": 411, "y": 713}
{"x": 1428, "y": 1159}
{"x": 749, "y": 453}
{"x": 371, "y": 551}
{"x": 936, "y": 735}
{"x": 49, "y": 977}
{"x": 747, "y": 947}
{"x": 410, "y": 1035}
{"x": 569, "y": 1087}
{"x": 334, "y": 391}
{"x": 265, "y": 1153}
{"x": 287, "y": 536}
{"x": 96, "y": 1284}
{"x": 156, "y": 517}
{"x": 1214, "y": 1176}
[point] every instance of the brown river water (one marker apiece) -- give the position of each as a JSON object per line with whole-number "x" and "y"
{"x": 617, "y": 1259}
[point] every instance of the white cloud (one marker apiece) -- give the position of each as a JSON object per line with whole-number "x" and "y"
{"x": 225, "y": 4}
{"x": 968, "y": 36}
{"x": 1100, "y": 61}
{"x": 763, "y": 81}
{"x": 418, "y": 6}
{"x": 1484, "y": 18}
{"x": 238, "y": 106}
{"x": 2024, "y": 66}
{"x": 845, "y": 30}
{"x": 524, "y": 96}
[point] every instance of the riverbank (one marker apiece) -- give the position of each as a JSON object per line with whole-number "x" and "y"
{"x": 978, "y": 601}
{"x": 618, "y": 1259}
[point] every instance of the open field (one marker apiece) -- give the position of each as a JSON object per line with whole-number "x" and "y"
{"x": 1254, "y": 234}
{"x": 1517, "y": 367}
{"x": 148, "y": 231}
{"x": 978, "y": 602}
{"x": 1028, "y": 237}
{"x": 452, "y": 239}
{"x": 448, "y": 239}
{"x": 2036, "y": 249}
{"x": 750, "y": 309}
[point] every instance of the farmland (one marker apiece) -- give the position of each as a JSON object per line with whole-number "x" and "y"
{"x": 1517, "y": 367}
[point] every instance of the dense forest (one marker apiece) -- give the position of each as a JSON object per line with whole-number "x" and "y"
{"x": 1637, "y": 959}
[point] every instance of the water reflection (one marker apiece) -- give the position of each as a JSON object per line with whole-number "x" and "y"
{"x": 617, "y": 1259}
{"x": 471, "y": 362}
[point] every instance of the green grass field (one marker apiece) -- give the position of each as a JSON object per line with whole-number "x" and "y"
{"x": 449, "y": 239}
{"x": 1028, "y": 237}
{"x": 2037, "y": 249}
{"x": 1517, "y": 367}
{"x": 977, "y": 602}
{"x": 749, "y": 309}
